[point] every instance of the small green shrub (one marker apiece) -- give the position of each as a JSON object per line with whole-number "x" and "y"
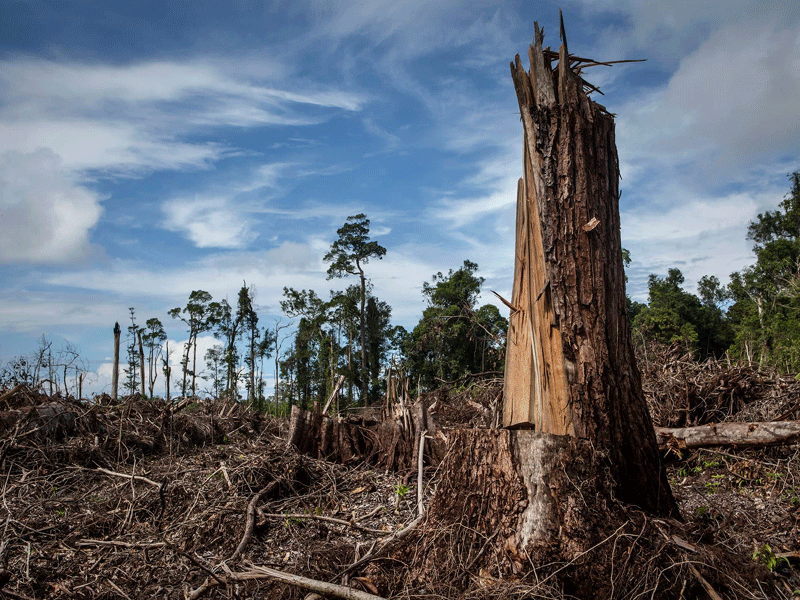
{"x": 767, "y": 557}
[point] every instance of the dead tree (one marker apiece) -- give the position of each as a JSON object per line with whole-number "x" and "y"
{"x": 115, "y": 373}
{"x": 570, "y": 366}
{"x": 578, "y": 436}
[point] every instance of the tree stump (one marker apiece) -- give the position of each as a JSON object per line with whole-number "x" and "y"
{"x": 519, "y": 496}
{"x": 579, "y": 449}
{"x": 570, "y": 365}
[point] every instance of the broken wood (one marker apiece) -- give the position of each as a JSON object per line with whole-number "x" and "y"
{"x": 10, "y": 393}
{"x": 126, "y": 476}
{"x": 333, "y": 395}
{"x": 387, "y": 544}
{"x": 314, "y": 585}
{"x": 743, "y": 435}
{"x": 258, "y": 572}
{"x": 250, "y": 519}
{"x": 391, "y": 444}
{"x": 570, "y": 366}
{"x": 351, "y": 523}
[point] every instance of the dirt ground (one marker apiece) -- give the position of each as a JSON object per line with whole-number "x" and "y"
{"x": 128, "y": 500}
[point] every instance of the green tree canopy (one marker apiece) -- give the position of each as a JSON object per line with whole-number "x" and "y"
{"x": 674, "y": 314}
{"x": 765, "y": 309}
{"x": 454, "y": 339}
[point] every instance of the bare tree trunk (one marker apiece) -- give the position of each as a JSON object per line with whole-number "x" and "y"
{"x": 50, "y": 371}
{"x": 253, "y": 394}
{"x": 167, "y": 370}
{"x": 115, "y": 373}
{"x": 277, "y": 372}
{"x": 350, "y": 365}
{"x": 740, "y": 435}
{"x": 364, "y": 379}
{"x": 141, "y": 361}
{"x": 194, "y": 367}
{"x": 571, "y": 368}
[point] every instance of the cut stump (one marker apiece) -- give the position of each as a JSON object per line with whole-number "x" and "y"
{"x": 519, "y": 496}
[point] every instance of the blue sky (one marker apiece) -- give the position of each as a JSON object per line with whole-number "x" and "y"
{"x": 151, "y": 149}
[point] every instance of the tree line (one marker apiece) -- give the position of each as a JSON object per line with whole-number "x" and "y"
{"x": 345, "y": 334}
{"x": 348, "y": 333}
{"x": 755, "y": 317}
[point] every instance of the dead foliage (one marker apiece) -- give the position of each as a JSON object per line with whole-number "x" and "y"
{"x": 103, "y": 500}
{"x": 684, "y": 392}
{"x": 156, "y": 511}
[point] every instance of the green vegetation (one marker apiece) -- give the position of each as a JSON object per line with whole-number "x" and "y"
{"x": 755, "y": 317}
{"x": 766, "y": 557}
{"x": 454, "y": 337}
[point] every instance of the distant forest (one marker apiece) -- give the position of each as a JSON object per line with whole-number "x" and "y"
{"x": 754, "y": 318}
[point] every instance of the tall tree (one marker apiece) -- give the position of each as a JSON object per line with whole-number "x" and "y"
{"x": 264, "y": 348}
{"x": 312, "y": 354}
{"x": 248, "y": 318}
{"x": 200, "y": 314}
{"x": 278, "y": 342}
{"x": 378, "y": 331}
{"x": 227, "y": 330}
{"x": 216, "y": 369}
{"x": 348, "y": 255}
{"x": 131, "y": 378}
{"x": 674, "y": 314}
{"x": 153, "y": 337}
{"x": 345, "y": 314}
{"x": 765, "y": 297}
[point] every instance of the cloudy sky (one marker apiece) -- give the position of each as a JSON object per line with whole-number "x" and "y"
{"x": 151, "y": 149}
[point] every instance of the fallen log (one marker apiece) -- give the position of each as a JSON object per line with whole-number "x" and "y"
{"x": 743, "y": 435}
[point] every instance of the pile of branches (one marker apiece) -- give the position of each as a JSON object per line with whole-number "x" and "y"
{"x": 105, "y": 431}
{"x": 684, "y": 392}
{"x": 180, "y": 504}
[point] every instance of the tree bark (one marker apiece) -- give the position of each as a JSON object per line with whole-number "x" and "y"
{"x": 571, "y": 368}
{"x": 510, "y": 499}
{"x": 115, "y": 374}
{"x": 141, "y": 361}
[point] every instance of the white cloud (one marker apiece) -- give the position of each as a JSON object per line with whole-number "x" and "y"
{"x": 101, "y": 379}
{"x": 126, "y": 118}
{"x": 701, "y": 235}
{"x": 47, "y": 216}
{"x": 727, "y": 108}
{"x": 667, "y": 31}
{"x": 120, "y": 147}
{"x": 36, "y": 310}
{"x": 290, "y": 263}
{"x": 90, "y": 86}
{"x": 213, "y": 222}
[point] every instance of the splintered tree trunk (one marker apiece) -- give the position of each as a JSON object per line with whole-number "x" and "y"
{"x": 512, "y": 498}
{"x": 141, "y": 361}
{"x": 570, "y": 367}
